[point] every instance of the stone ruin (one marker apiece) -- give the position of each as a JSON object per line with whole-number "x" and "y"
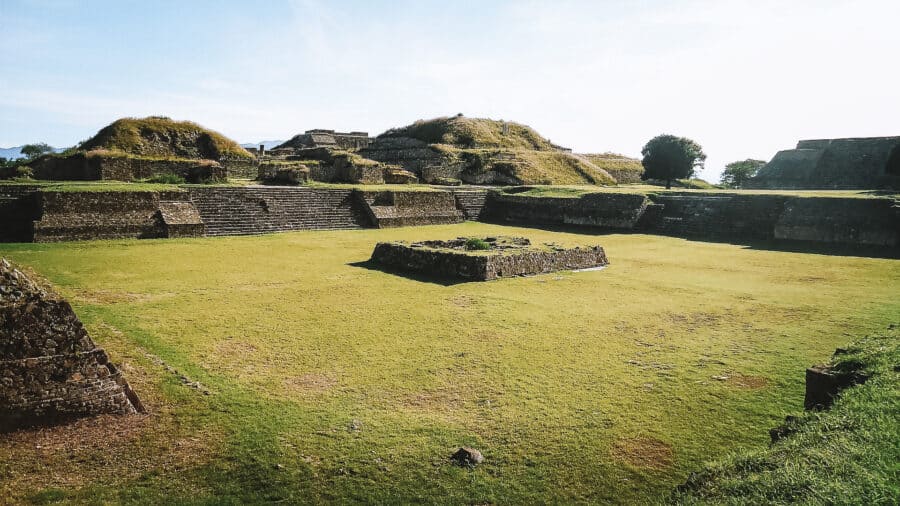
{"x": 855, "y": 163}
{"x": 321, "y": 138}
{"x": 50, "y": 369}
{"x": 484, "y": 259}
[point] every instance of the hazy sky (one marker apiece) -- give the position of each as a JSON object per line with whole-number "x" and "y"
{"x": 743, "y": 78}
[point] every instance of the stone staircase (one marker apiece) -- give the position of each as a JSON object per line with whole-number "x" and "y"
{"x": 404, "y": 208}
{"x": 471, "y": 202}
{"x": 262, "y": 209}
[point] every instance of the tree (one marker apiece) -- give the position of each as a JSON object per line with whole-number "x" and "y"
{"x": 668, "y": 157}
{"x": 736, "y": 174}
{"x": 32, "y": 151}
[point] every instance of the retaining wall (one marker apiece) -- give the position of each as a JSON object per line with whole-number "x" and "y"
{"x": 94, "y": 167}
{"x": 743, "y": 217}
{"x": 409, "y": 208}
{"x": 72, "y": 216}
{"x": 605, "y": 210}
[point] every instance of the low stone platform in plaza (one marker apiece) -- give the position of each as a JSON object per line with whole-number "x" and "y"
{"x": 484, "y": 259}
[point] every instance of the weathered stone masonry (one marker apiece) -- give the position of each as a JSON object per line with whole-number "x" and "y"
{"x": 754, "y": 217}
{"x": 433, "y": 258}
{"x": 50, "y": 369}
{"x": 28, "y": 213}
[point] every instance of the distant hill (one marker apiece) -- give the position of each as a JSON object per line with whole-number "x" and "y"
{"x": 267, "y": 144}
{"x": 16, "y": 152}
{"x": 11, "y": 153}
{"x": 158, "y": 136}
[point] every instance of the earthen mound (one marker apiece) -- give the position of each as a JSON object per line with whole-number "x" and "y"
{"x": 481, "y": 151}
{"x": 158, "y": 136}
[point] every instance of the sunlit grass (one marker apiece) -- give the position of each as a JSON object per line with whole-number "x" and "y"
{"x": 331, "y": 381}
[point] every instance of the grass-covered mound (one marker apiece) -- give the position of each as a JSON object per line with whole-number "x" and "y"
{"x": 158, "y": 136}
{"x": 621, "y": 167}
{"x": 463, "y": 132}
{"x": 483, "y": 151}
{"x": 848, "y": 454}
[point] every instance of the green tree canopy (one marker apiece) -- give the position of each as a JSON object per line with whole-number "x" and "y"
{"x": 32, "y": 151}
{"x": 667, "y": 157}
{"x": 736, "y": 174}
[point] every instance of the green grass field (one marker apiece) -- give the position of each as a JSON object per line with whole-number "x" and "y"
{"x": 330, "y": 381}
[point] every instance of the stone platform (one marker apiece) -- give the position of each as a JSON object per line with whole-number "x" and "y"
{"x": 484, "y": 259}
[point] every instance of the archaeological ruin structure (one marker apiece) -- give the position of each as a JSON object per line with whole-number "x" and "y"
{"x": 31, "y": 213}
{"x": 321, "y": 138}
{"x": 50, "y": 369}
{"x": 855, "y": 163}
{"x": 485, "y": 259}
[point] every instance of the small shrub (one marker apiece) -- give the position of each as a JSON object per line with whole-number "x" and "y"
{"x": 475, "y": 244}
{"x": 24, "y": 172}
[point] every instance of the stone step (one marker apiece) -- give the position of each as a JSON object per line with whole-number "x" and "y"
{"x": 256, "y": 210}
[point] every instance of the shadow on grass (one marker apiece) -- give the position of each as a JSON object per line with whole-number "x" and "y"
{"x": 415, "y": 276}
{"x": 810, "y": 247}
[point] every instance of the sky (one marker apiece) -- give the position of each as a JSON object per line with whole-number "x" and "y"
{"x": 742, "y": 78}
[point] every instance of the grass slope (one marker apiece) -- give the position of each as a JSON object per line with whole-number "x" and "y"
{"x": 463, "y": 132}
{"x": 846, "y": 455}
{"x": 331, "y": 382}
{"x": 624, "y": 169}
{"x": 520, "y": 153}
{"x": 158, "y": 136}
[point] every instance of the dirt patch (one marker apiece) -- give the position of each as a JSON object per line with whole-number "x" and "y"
{"x": 644, "y": 452}
{"x": 106, "y": 449}
{"x": 310, "y": 383}
{"x": 108, "y": 297}
{"x": 233, "y": 347}
{"x": 462, "y": 301}
{"x": 434, "y": 400}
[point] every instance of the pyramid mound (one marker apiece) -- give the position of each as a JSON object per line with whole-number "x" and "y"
{"x": 463, "y": 132}
{"x": 158, "y": 136}
{"x": 50, "y": 369}
{"x": 481, "y": 151}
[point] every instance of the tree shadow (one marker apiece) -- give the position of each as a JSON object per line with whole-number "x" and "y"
{"x": 414, "y": 276}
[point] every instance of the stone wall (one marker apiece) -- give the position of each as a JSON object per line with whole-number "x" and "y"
{"x": 93, "y": 166}
{"x": 484, "y": 266}
{"x": 732, "y": 216}
{"x": 50, "y": 369}
{"x": 604, "y": 210}
{"x": 239, "y": 168}
{"x": 72, "y": 216}
{"x": 409, "y": 208}
{"x": 716, "y": 216}
{"x": 870, "y": 222}
{"x": 287, "y": 173}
